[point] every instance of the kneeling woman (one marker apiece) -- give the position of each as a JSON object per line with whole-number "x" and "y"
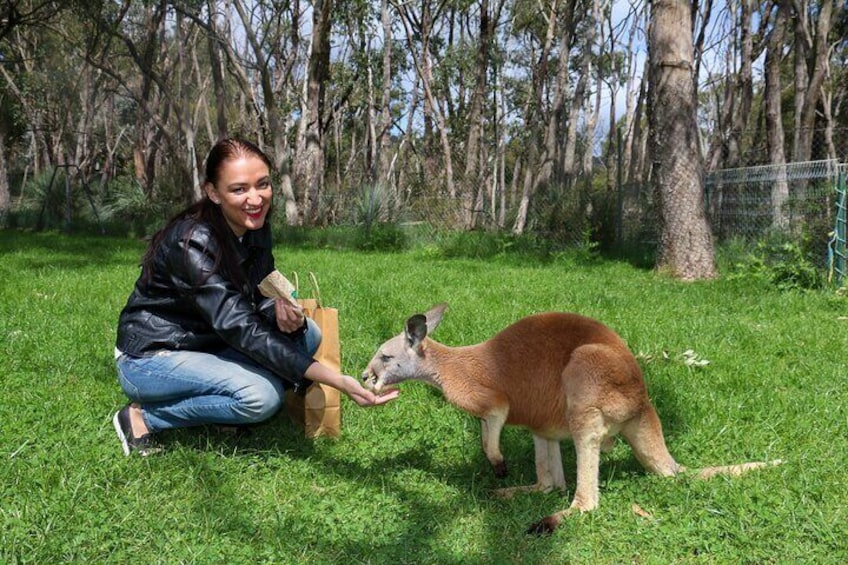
{"x": 197, "y": 343}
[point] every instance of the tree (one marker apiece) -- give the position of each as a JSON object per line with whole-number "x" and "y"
{"x": 5, "y": 196}
{"x": 309, "y": 160}
{"x": 812, "y": 67}
{"x": 775, "y": 138}
{"x": 686, "y": 244}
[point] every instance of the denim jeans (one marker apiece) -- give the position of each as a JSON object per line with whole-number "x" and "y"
{"x": 186, "y": 388}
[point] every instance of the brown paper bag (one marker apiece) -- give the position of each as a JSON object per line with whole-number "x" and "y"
{"x": 319, "y": 412}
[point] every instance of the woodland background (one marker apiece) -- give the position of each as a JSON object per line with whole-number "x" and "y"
{"x": 515, "y": 116}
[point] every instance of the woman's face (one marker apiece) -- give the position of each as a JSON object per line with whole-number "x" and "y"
{"x": 244, "y": 193}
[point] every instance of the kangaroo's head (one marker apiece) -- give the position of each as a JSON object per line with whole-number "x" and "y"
{"x": 404, "y": 356}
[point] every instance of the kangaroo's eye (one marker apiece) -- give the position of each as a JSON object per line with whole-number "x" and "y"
{"x": 386, "y": 358}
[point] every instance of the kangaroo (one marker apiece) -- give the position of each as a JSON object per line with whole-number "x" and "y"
{"x": 558, "y": 374}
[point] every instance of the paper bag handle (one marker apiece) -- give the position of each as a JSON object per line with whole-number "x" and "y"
{"x": 316, "y": 291}
{"x": 296, "y": 282}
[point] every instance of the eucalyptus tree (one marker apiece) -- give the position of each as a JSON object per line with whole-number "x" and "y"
{"x": 814, "y": 22}
{"x": 735, "y": 49}
{"x": 273, "y": 55}
{"x": 149, "y": 50}
{"x": 309, "y": 156}
{"x": 421, "y": 27}
{"x": 686, "y": 244}
{"x": 775, "y": 137}
{"x": 477, "y": 176}
{"x": 551, "y": 32}
{"x": 635, "y": 136}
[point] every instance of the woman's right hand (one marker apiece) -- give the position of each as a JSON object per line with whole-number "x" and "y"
{"x": 364, "y": 397}
{"x": 349, "y": 385}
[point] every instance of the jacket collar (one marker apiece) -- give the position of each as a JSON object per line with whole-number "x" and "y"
{"x": 253, "y": 243}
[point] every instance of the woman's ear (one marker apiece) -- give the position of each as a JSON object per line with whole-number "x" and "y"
{"x": 211, "y": 192}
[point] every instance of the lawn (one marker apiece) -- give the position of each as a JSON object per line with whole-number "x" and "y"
{"x": 408, "y": 482}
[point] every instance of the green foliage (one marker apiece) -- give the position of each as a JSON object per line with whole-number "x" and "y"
{"x": 376, "y": 203}
{"x": 481, "y": 244}
{"x": 783, "y": 264}
{"x": 42, "y": 202}
{"x": 380, "y": 237}
{"x": 130, "y": 211}
{"x": 407, "y": 482}
{"x": 377, "y": 237}
{"x": 119, "y": 208}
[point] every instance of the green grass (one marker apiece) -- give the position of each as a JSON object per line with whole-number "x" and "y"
{"x": 408, "y": 483}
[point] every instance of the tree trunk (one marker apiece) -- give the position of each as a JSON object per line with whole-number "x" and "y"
{"x": 744, "y": 88}
{"x": 803, "y": 43}
{"x": 5, "y": 195}
{"x": 774, "y": 119}
{"x": 686, "y": 244}
{"x": 218, "y": 85}
{"x": 311, "y": 161}
{"x": 637, "y": 153}
{"x": 385, "y": 122}
{"x": 568, "y": 151}
{"x": 473, "y": 163}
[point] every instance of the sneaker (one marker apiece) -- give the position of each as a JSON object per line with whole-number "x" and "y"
{"x": 144, "y": 445}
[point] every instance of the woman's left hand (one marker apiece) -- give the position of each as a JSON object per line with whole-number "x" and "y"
{"x": 290, "y": 318}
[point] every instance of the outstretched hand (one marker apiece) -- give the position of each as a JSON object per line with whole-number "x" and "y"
{"x": 364, "y": 397}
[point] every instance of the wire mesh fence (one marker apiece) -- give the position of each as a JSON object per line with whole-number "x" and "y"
{"x": 802, "y": 203}
{"x": 837, "y": 252}
{"x": 756, "y": 202}
{"x": 799, "y": 204}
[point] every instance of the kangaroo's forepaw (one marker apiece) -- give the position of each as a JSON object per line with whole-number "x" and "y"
{"x": 499, "y": 469}
{"x": 509, "y": 492}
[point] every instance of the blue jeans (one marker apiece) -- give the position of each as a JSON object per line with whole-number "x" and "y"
{"x": 186, "y": 388}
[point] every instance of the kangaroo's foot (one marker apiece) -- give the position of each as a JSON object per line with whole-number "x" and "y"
{"x": 509, "y": 492}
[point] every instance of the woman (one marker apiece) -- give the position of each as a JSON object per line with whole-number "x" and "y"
{"x": 197, "y": 343}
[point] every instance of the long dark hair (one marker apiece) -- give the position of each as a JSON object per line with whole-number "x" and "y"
{"x": 207, "y": 212}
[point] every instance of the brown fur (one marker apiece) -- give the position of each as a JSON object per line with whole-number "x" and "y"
{"x": 559, "y": 375}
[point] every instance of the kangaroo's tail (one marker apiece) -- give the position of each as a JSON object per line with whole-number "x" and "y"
{"x": 734, "y": 470}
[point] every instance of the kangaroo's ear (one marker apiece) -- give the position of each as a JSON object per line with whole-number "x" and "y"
{"x": 434, "y": 316}
{"x": 416, "y": 330}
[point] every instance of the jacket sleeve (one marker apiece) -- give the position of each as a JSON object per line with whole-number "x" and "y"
{"x": 231, "y": 314}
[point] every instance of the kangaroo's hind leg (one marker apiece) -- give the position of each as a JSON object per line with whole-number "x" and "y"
{"x": 549, "y": 473}
{"x": 589, "y": 433}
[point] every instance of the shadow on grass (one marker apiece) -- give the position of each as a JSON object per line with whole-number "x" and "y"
{"x": 473, "y": 477}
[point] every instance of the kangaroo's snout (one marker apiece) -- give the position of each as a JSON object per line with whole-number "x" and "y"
{"x": 369, "y": 379}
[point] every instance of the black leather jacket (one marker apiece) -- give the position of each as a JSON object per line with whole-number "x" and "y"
{"x": 184, "y": 307}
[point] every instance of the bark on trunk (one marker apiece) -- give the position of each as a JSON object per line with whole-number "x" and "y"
{"x": 217, "y": 74}
{"x": 744, "y": 88}
{"x": 473, "y": 163}
{"x": 309, "y": 161}
{"x": 774, "y": 124}
{"x": 385, "y": 123}
{"x": 686, "y": 245}
{"x": 5, "y": 195}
